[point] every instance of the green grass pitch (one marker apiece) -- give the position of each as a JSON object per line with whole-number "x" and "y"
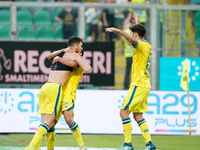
{"x": 162, "y": 142}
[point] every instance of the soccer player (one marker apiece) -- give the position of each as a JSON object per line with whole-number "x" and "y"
{"x": 68, "y": 104}
{"x": 51, "y": 92}
{"x": 135, "y": 100}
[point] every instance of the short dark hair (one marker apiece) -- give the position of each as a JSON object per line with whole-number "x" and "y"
{"x": 73, "y": 40}
{"x": 139, "y": 29}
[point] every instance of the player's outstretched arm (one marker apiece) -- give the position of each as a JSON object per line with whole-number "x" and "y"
{"x": 65, "y": 61}
{"x": 56, "y": 53}
{"x": 55, "y": 58}
{"x": 127, "y": 36}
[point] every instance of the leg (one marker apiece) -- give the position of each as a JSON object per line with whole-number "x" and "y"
{"x": 48, "y": 121}
{"x": 94, "y": 28}
{"x": 111, "y": 36}
{"x": 68, "y": 115}
{"x": 127, "y": 127}
{"x": 37, "y": 147}
{"x": 107, "y": 36}
{"x": 145, "y": 130}
{"x": 89, "y": 38}
{"x": 51, "y": 134}
{"x": 51, "y": 138}
{"x": 90, "y": 29}
{"x": 48, "y": 98}
{"x": 96, "y": 32}
{"x": 126, "y": 121}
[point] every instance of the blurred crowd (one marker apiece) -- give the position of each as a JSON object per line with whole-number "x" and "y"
{"x": 96, "y": 19}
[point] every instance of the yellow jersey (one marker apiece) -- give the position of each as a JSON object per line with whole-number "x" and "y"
{"x": 140, "y": 66}
{"x": 72, "y": 82}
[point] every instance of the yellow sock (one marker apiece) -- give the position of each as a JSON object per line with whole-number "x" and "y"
{"x": 38, "y": 146}
{"x": 145, "y": 130}
{"x": 76, "y": 132}
{"x": 51, "y": 138}
{"x": 42, "y": 130}
{"x": 127, "y": 126}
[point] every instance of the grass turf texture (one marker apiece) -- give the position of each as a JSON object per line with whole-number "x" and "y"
{"x": 164, "y": 142}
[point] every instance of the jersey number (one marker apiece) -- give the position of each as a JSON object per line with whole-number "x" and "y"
{"x": 148, "y": 62}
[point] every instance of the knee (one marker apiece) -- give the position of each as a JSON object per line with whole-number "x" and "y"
{"x": 123, "y": 114}
{"x": 68, "y": 115}
{"x": 50, "y": 123}
{"x": 138, "y": 116}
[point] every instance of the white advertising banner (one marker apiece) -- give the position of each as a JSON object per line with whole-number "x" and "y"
{"x": 97, "y": 112}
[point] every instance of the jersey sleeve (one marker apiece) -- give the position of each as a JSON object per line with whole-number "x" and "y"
{"x": 138, "y": 46}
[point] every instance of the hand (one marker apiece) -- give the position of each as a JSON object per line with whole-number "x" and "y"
{"x": 55, "y": 59}
{"x": 80, "y": 54}
{"x": 137, "y": 17}
{"x": 112, "y": 29}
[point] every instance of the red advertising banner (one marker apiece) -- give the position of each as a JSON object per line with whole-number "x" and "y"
{"x": 26, "y": 62}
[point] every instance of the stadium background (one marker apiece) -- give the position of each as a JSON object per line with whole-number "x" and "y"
{"x": 174, "y": 33}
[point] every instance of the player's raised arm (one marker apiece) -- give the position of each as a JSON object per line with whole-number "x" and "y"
{"x": 127, "y": 36}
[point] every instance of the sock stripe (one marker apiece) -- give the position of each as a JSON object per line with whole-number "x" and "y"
{"x": 51, "y": 130}
{"x": 73, "y": 126}
{"x": 70, "y": 126}
{"x": 141, "y": 122}
{"x": 45, "y": 126}
{"x": 125, "y": 121}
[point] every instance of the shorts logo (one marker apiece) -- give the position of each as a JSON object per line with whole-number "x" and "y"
{"x": 66, "y": 104}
